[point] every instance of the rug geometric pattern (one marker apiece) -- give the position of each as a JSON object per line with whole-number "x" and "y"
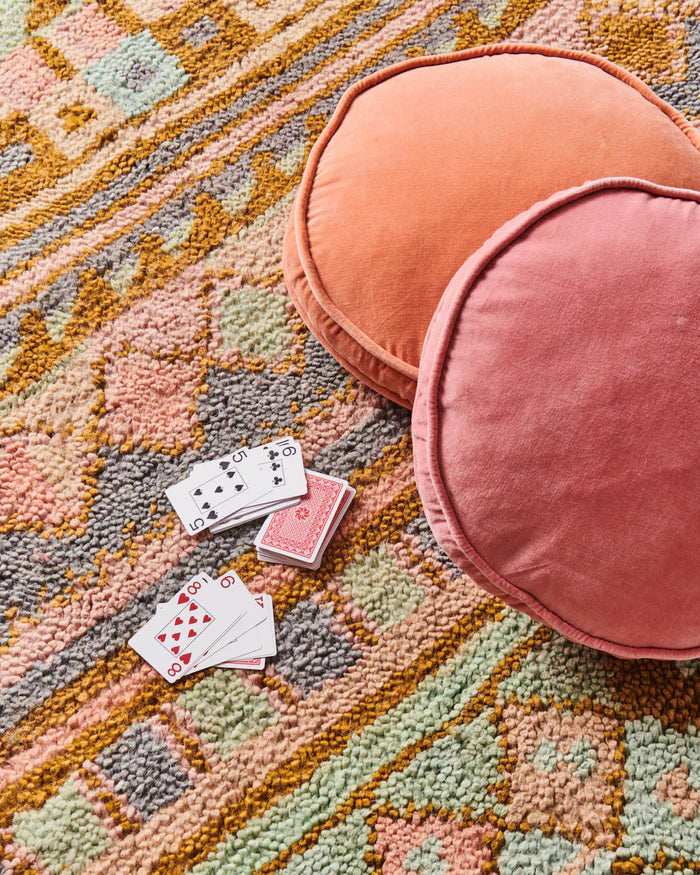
{"x": 149, "y": 154}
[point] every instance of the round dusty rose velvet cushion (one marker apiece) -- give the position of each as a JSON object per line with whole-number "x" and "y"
{"x": 557, "y": 422}
{"x": 424, "y": 160}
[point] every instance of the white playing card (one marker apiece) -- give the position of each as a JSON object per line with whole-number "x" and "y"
{"x": 191, "y": 622}
{"x": 252, "y": 513}
{"x": 276, "y": 450}
{"x": 226, "y": 492}
{"x": 255, "y": 643}
{"x": 253, "y": 664}
{"x": 262, "y": 640}
{"x": 285, "y": 471}
{"x": 217, "y": 489}
{"x": 199, "y": 500}
{"x": 253, "y": 615}
{"x": 275, "y": 471}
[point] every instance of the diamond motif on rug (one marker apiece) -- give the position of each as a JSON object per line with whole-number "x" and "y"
{"x": 309, "y": 651}
{"x": 150, "y": 402}
{"x": 143, "y": 770}
{"x": 136, "y": 74}
{"x": 431, "y": 847}
{"x": 64, "y": 832}
{"x": 661, "y": 791}
{"x": 562, "y": 763}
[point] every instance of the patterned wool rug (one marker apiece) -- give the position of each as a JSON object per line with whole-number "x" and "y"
{"x": 149, "y": 152}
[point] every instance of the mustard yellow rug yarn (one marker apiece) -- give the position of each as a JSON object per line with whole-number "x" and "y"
{"x": 149, "y": 152}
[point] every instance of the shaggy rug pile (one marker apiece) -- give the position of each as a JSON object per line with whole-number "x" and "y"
{"x": 149, "y": 153}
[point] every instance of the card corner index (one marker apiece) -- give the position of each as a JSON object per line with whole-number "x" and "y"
{"x": 223, "y": 580}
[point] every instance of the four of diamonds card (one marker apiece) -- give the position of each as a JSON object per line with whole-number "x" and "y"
{"x": 219, "y": 622}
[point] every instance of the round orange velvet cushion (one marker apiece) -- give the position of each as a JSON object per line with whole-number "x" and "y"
{"x": 556, "y": 427}
{"x": 424, "y": 160}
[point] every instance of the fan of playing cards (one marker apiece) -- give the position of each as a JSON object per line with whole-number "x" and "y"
{"x": 245, "y": 485}
{"x": 206, "y": 623}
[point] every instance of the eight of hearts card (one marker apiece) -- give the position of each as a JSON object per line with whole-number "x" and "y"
{"x": 299, "y": 535}
{"x": 199, "y": 618}
{"x": 248, "y": 649}
{"x": 246, "y": 484}
{"x": 248, "y": 664}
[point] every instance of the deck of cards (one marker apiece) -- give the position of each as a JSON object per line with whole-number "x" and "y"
{"x": 302, "y": 508}
{"x": 299, "y": 535}
{"x": 208, "y": 623}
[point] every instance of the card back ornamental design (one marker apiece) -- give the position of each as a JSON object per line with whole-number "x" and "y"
{"x": 299, "y": 532}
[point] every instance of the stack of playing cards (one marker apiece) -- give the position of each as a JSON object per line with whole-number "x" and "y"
{"x": 303, "y": 508}
{"x": 299, "y": 535}
{"x": 208, "y": 623}
{"x": 243, "y": 486}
